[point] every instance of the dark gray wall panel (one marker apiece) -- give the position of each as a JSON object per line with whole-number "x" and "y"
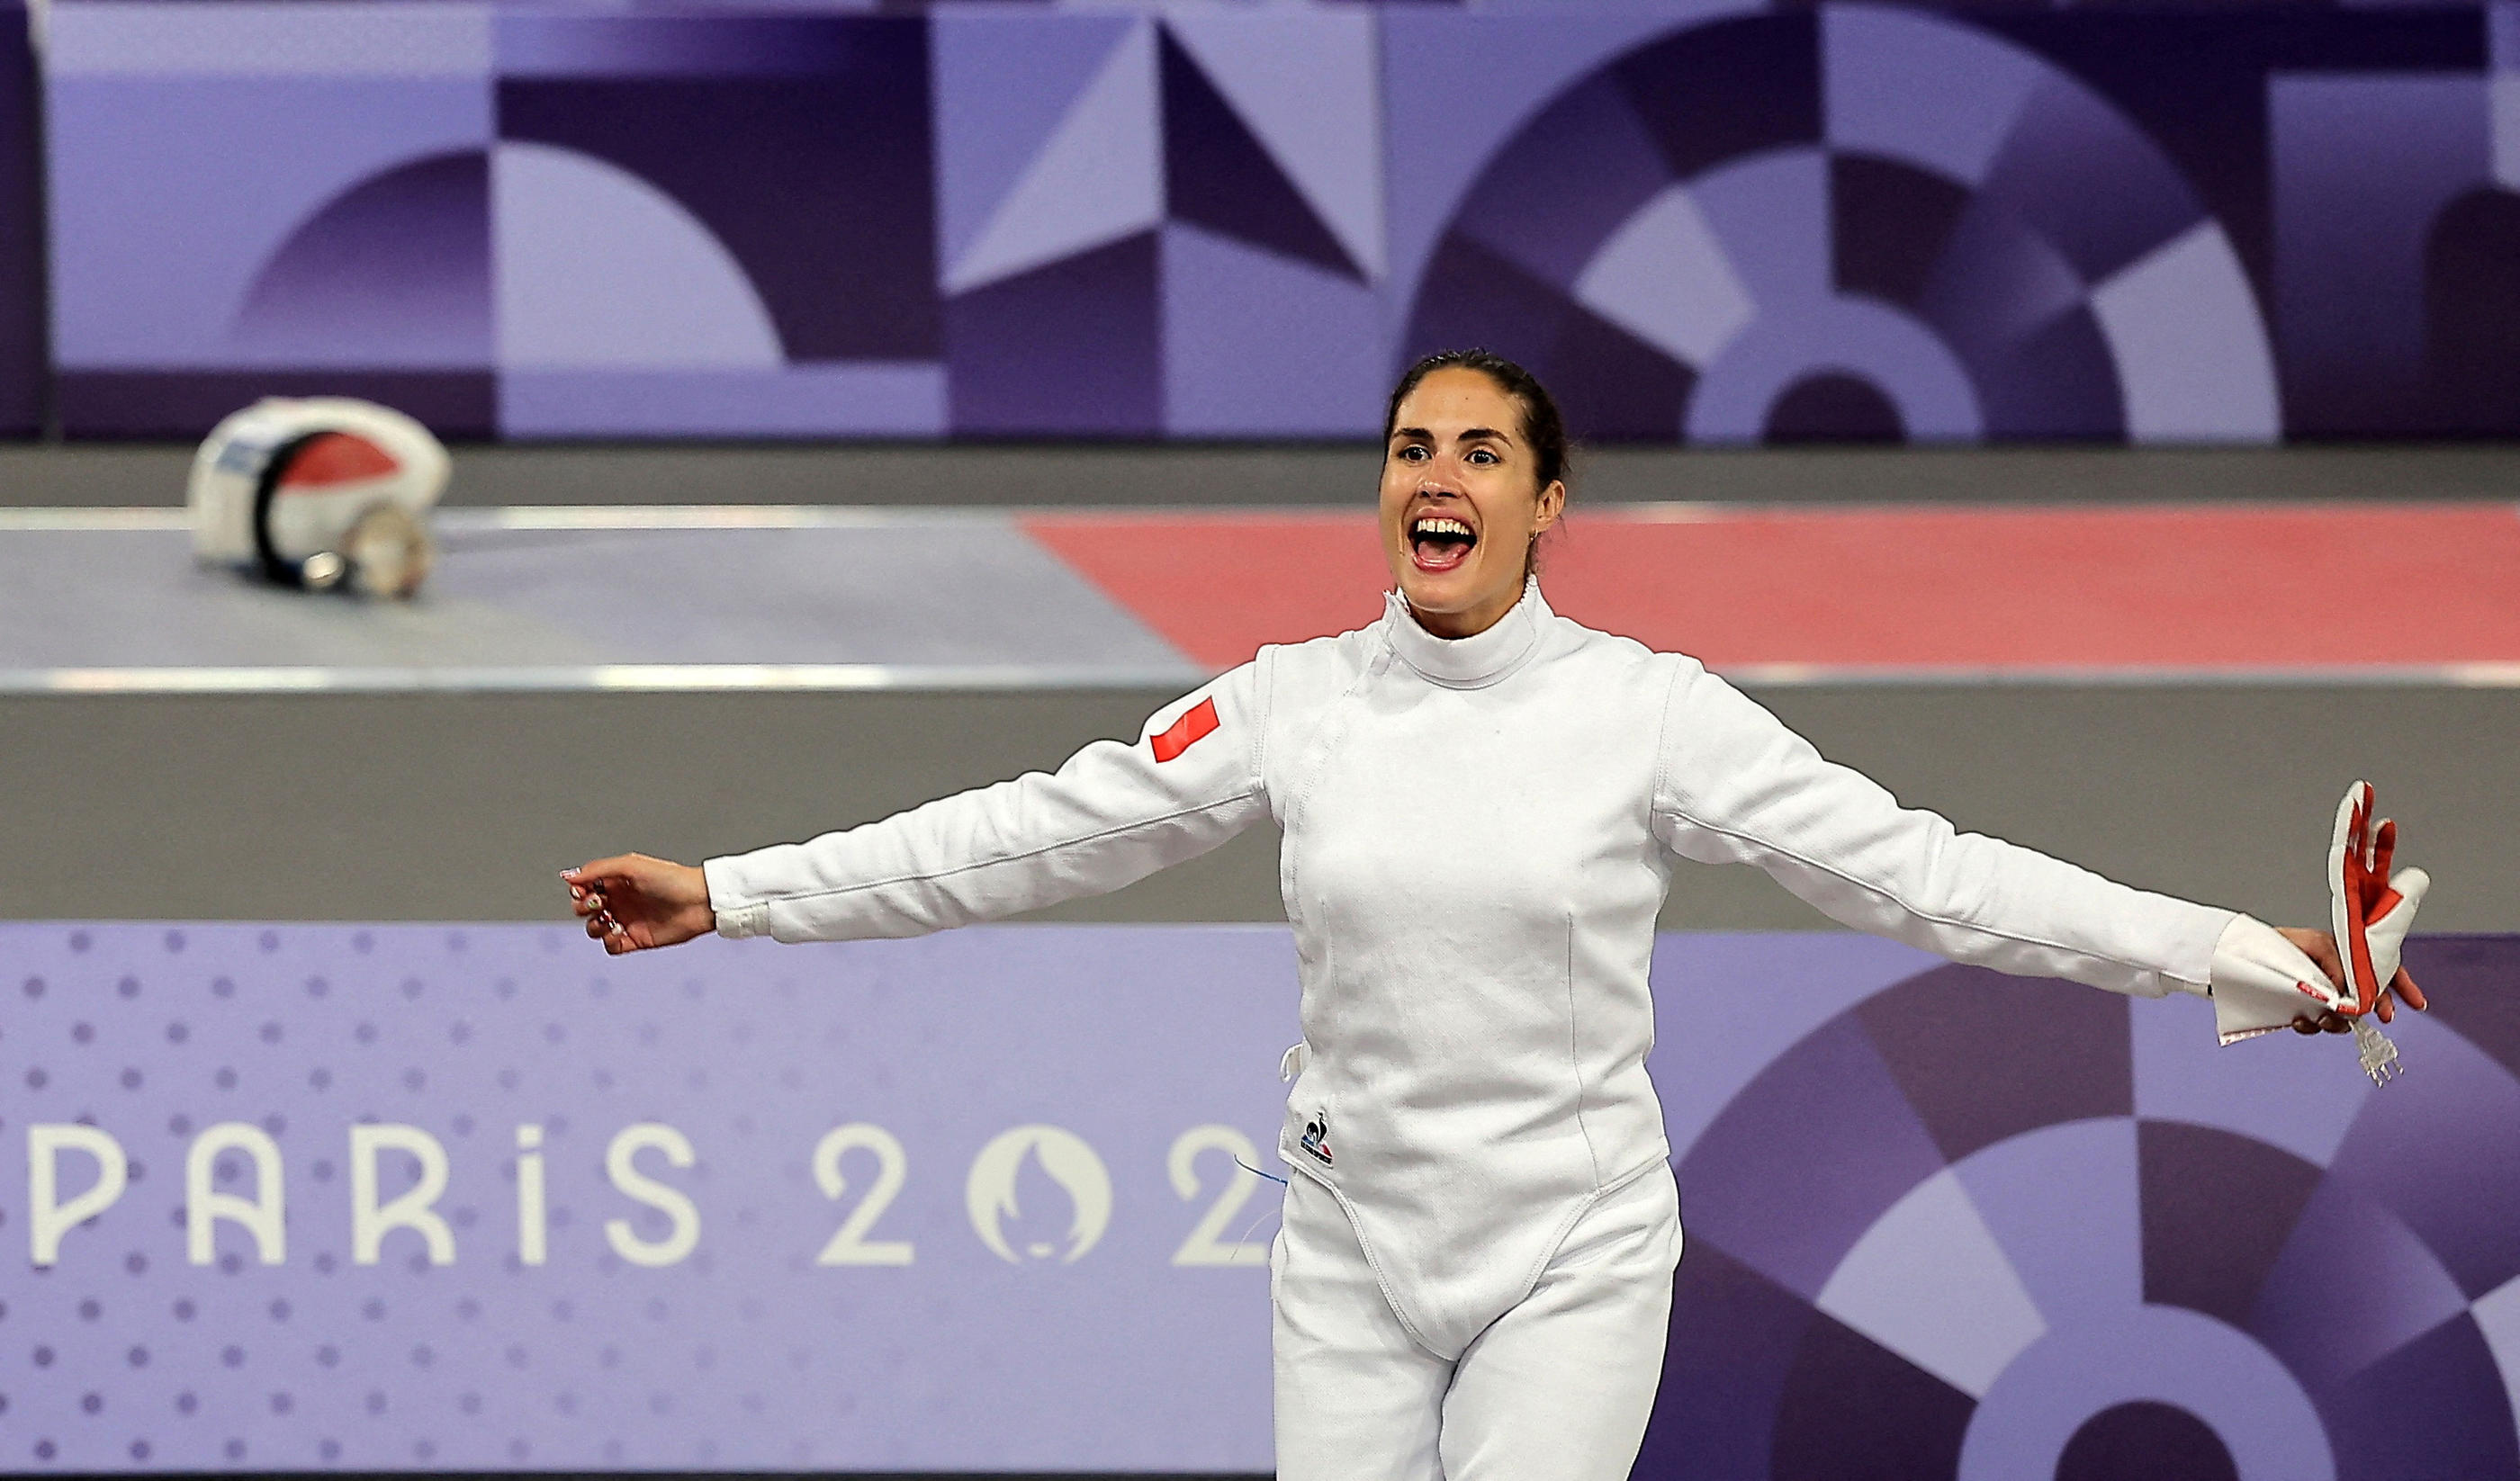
{"x": 421, "y": 807}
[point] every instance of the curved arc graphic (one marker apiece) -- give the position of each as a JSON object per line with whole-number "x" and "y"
{"x": 2115, "y": 1342}
{"x": 2185, "y": 327}
{"x": 1610, "y": 36}
{"x": 1881, "y": 344}
{"x": 2134, "y": 324}
{"x": 400, "y": 255}
{"x": 599, "y": 265}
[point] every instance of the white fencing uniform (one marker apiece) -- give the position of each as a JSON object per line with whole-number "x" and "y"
{"x": 1479, "y": 836}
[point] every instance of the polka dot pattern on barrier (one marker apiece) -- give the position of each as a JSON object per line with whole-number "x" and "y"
{"x": 741, "y": 1352}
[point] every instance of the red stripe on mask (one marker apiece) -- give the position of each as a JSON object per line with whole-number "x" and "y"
{"x": 1186, "y": 731}
{"x": 334, "y": 457}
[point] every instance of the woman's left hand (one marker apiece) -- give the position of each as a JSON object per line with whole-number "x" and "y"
{"x": 2320, "y": 947}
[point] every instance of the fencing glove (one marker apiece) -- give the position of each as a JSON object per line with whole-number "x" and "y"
{"x": 2370, "y": 911}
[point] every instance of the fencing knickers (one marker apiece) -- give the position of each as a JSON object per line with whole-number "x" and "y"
{"x": 1558, "y": 1389}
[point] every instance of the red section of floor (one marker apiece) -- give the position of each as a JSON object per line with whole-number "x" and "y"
{"x": 2325, "y": 586}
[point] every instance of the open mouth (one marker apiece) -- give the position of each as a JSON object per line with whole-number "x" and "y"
{"x": 1440, "y": 542}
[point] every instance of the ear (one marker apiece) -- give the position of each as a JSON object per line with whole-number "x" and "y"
{"x": 1552, "y": 502}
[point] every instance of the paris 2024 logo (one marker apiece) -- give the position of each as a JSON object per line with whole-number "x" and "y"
{"x": 990, "y": 1193}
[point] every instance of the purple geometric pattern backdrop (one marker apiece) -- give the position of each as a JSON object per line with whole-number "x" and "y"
{"x": 22, "y": 231}
{"x": 430, "y": 1198}
{"x": 1976, "y": 1228}
{"x": 1702, "y": 220}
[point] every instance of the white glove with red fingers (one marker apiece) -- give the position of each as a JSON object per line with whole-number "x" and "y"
{"x": 2370, "y": 912}
{"x": 2261, "y": 981}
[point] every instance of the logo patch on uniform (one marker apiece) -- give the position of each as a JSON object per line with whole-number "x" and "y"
{"x": 1187, "y": 730}
{"x": 1316, "y": 1138}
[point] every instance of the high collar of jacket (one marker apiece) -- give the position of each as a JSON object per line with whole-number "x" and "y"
{"x": 1474, "y": 661}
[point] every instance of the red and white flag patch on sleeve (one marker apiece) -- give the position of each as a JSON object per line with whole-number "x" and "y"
{"x": 1185, "y": 731}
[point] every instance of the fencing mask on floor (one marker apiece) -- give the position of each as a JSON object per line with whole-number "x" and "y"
{"x": 321, "y": 493}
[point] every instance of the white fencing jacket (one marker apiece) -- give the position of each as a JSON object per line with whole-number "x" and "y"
{"x": 1478, "y": 833}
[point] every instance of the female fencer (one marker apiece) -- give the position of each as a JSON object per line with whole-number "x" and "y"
{"x": 1482, "y": 802}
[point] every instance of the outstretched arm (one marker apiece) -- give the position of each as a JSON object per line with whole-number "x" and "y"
{"x": 1736, "y": 785}
{"x": 1113, "y": 814}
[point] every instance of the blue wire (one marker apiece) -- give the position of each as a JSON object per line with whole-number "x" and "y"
{"x": 1264, "y": 1213}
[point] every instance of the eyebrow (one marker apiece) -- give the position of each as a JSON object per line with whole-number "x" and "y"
{"x": 1468, "y": 435}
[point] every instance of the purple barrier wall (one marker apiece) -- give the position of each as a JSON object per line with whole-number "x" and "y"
{"x": 972, "y": 1204}
{"x": 1701, "y": 222}
{"x": 22, "y": 369}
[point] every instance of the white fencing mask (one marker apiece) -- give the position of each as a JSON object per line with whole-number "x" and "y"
{"x": 319, "y": 493}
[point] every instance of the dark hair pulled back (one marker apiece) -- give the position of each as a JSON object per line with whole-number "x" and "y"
{"x": 1543, "y": 429}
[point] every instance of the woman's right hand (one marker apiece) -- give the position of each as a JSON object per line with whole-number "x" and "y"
{"x": 632, "y": 903}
